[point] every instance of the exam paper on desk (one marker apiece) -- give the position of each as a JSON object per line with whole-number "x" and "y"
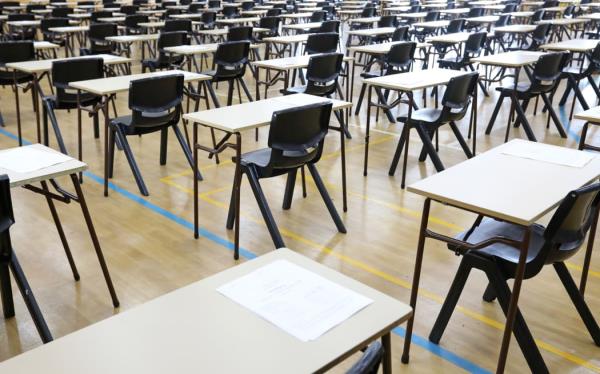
{"x": 298, "y": 301}
{"x": 27, "y": 159}
{"x": 554, "y": 155}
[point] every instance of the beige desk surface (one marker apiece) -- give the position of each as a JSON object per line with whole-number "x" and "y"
{"x": 40, "y": 66}
{"x": 483, "y": 19}
{"x": 297, "y": 15}
{"x": 573, "y": 45}
{"x": 507, "y": 187}
{"x": 432, "y": 24}
{"x": 511, "y": 59}
{"x": 414, "y": 80}
{"x": 72, "y": 166}
{"x": 520, "y": 14}
{"x": 44, "y": 45}
{"x": 455, "y": 11}
{"x": 111, "y": 19}
{"x": 80, "y": 15}
{"x": 493, "y": 7}
{"x": 288, "y": 63}
{"x": 186, "y": 16}
{"x": 564, "y": 21}
{"x": 380, "y": 48}
{"x": 373, "y": 32}
{"x": 365, "y": 20}
{"x": 413, "y": 15}
{"x": 397, "y": 9}
{"x": 111, "y": 85}
{"x": 287, "y": 39}
{"x": 515, "y": 29}
{"x": 195, "y": 329}
{"x": 303, "y": 26}
{"x": 224, "y": 31}
{"x": 235, "y": 21}
{"x": 132, "y": 38}
{"x": 152, "y": 24}
{"x": 253, "y": 12}
{"x": 591, "y": 16}
{"x": 590, "y": 115}
{"x": 246, "y": 116}
{"x": 456, "y": 37}
{"x": 34, "y": 23}
{"x": 347, "y": 11}
{"x": 69, "y": 29}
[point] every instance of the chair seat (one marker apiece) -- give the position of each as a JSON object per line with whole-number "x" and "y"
{"x": 371, "y": 74}
{"x": 259, "y": 157}
{"x": 423, "y": 116}
{"x": 522, "y": 87}
{"x": 506, "y": 256}
{"x": 86, "y": 99}
{"x": 293, "y": 90}
{"x": 7, "y": 77}
{"x": 125, "y": 123}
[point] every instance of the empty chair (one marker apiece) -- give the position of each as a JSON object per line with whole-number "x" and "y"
{"x": 421, "y": 32}
{"x": 213, "y": 4}
{"x": 239, "y": 33}
{"x": 296, "y": 139}
{"x": 328, "y": 26}
{"x": 172, "y": 11}
{"x": 208, "y": 20}
{"x": 474, "y": 45}
{"x": 509, "y": 8}
{"x": 368, "y": 11}
{"x": 166, "y": 60}
{"x": 401, "y": 34}
{"x": 30, "y": 7}
{"x": 270, "y": 23}
{"x": 537, "y": 16}
{"x": 21, "y": 33}
{"x": 317, "y": 16}
{"x": 544, "y": 78}
{"x": 456, "y": 25}
{"x": 97, "y": 34}
{"x": 15, "y": 52}
{"x": 552, "y": 245}
{"x": 498, "y": 40}
{"x": 455, "y": 103}
{"x": 94, "y": 16}
{"x": 274, "y": 12}
{"x": 230, "y": 11}
{"x": 62, "y": 12}
{"x": 172, "y": 25}
{"x": 388, "y": 21}
{"x": 128, "y": 10}
{"x": 247, "y": 5}
{"x": 231, "y": 59}
{"x": 370, "y": 360}
{"x": 63, "y": 73}
{"x": 150, "y": 114}
{"x": 196, "y": 8}
{"x": 475, "y": 12}
{"x": 538, "y": 37}
{"x": 399, "y": 59}
{"x": 321, "y": 43}
{"x": 322, "y": 76}
{"x": 132, "y": 23}
{"x": 47, "y": 23}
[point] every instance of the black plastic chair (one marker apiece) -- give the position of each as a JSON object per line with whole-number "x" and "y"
{"x": 370, "y": 360}
{"x": 270, "y": 23}
{"x": 274, "y": 12}
{"x": 149, "y": 114}
{"x": 62, "y": 12}
{"x": 208, "y": 20}
{"x": 21, "y": 33}
{"x": 328, "y": 26}
{"x": 322, "y": 76}
{"x": 399, "y": 59}
{"x": 247, "y": 5}
{"x": 538, "y": 37}
{"x": 321, "y": 43}
{"x": 457, "y": 98}
{"x": 537, "y": 16}
{"x": 15, "y": 52}
{"x": 9, "y": 263}
{"x": 388, "y": 21}
{"x": 544, "y": 78}
{"x": 456, "y": 25}
{"x": 420, "y": 33}
{"x": 63, "y": 73}
{"x": 97, "y": 34}
{"x": 509, "y": 8}
{"x": 129, "y": 10}
{"x": 239, "y": 33}
{"x": 401, "y": 34}
{"x": 230, "y": 11}
{"x": 166, "y": 60}
{"x": 94, "y": 16}
{"x": 296, "y": 139}
{"x": 132, "y": 22}
{"x": 318, "y": 16}
{"x": 550, "y": 245}
{"x": 196, "y": 8}
{"x": 174, "y": 25}
{"x": 213, "y": 4}
{"x": 231, "y": 59}
{"x": 474, "y": 45}
{"x": 47, "y": 23}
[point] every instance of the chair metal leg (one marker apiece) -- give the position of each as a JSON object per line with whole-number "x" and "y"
{"x": 96, "y": 122}
{"x": 261, "y": 200}
{"x": 8, "y": 306}
{"x": 439, "y": 166}
{"x": 461, "y": 140}
{"x": 164, "y": 137}
{"x": 398, "y": 153}
{"x": 577, "y": 299}
{"x": 490, "y": 125}
{"x": 111, "y": 152}
{"x": 489, "y": 294}
{"x": 131, "y": 160}
{"x": 245, "y": 88}
{"x": 458, "y": 284}
{"x": 326, "y": 198}
{"x": 363, "y": 88}
{"x": 49, "y": 113}
{"x": 523, "y": 120}
{"x": 555, "y": 119}
{"x": 230, "y": 93}
{"x": 289, "y": 189}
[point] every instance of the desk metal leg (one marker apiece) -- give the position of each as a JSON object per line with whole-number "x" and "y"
{"x": 106, "y": 122}
{"x": 237, "y": 184}
{"x": 343, "y": 153}
{"x": 369, "y": 95}
{"x": 94, "y": 237}
{"x": 416, "y": 277}
{"x": 195, "y": 150}
{"x": 386, "y": 341}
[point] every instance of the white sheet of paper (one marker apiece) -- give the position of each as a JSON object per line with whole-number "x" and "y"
{"x": 298, "y": 301}
{"x": 559, "y": 156}
{"x": 27, "y": 159}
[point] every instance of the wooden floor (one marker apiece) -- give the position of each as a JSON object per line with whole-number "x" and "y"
{"x": 150, "y": 248}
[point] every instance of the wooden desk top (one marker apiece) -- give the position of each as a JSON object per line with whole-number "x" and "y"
{"x": 414, "y": 80}
{"x": 515, "y": 29}
{"x": 73, "y": 166}
{"x": 455, "y": 11}
{"x": 564, "y": 21}
{"x": 590, "y": 115}
{"x": 132, "y": 38}
{"x": 432, "y": 24}
{"x": 296, "y": 15}
{"x": 591, "y": 16}
{"x": 456, "y": 37}
{"x": 373, "y": 32}
{"x": 69, "y": 29}
{"x": 483, "y": 19}
{"x": 303, "y": 26}
{"x": 365, "y": 20}
{"x": 511, "y": 59}
{"x": 380, "y": 48}
{"x": 111, "y": 19}
{"x": 416, "y": 15}
{"x": 520, "y": 14}
{"x": 111, "y": 85}
{"x": 40, "y": 66}
{"x": 246, "y": 116}
{"x": 41, "y": 45}
{"x": 573, "y": 45}
{"x": 288, "y": 63}
{"x": 235, "y": 21}
{"x": 151, "y": 25}
{"x": 195, "y": 329}
{"x": 34, "y": 23}
{"x": 507, "y": 187}
{"x": 287, "y": 39}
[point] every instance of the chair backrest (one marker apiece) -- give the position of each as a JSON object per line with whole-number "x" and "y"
{"x": 99, "y": 14}
{"x": 550, "y": 3}
{"x": 475, "y": 12}
{"x": 367, "y": 12}
{"x": 595, "y": 58}
{"x": 568, "y": 12}
{"x": 184, "y": 25}
{"x": 271, "y": 23}
{"x": 547, "y": 71}
{"x": 230, "y": 11}
{"x": 415, "y": 8}
{"x": 458, "y": 95}
{"x": 129, "y": 9}
{"x": 401, "y": 34}
{"x": 20, "y": 17}
{"x": 387, "y": 21}
{"x": 537, "y": 16}
{"x": 274, "y": 12}
{"x": 172, "y": 39}
{"x": 400, "y": 57}
{"x": 474, "y": 44}
{"x": 239, "y": 33}
{"x": 214, "y": 3}
{"x": 31, "y": 7}
{"x": 297, "y": 135}
{"x": 433, "y": 15}
{"x": 196, "y": 8}
{"x": 330, "y": 26}
{"x": 16, "y": 51}
{"x": 47, "y": 23}
{"x": 208, "y": 19}
{"x": 322, "y": 73}
{"x": 540, "y": 35}
{"x": 370, "y": 361}
{"x": 98, "y": 33}
{"x": 156, "y": 110}
{"x": 132, "y": 21}
{"x": 231, "y": 59}
{"x": 318, "y": 16}
{"x": 247, "y": 5}
{"x": 509, "y": 8}
{"x": 322, "y": 43}
{"x": 172, "y": 11}
{"x": 503, "y": 20}
{"x": 61, "y": 12}
{"x": 456, "y": 25}
{"x": 66, "y": 71}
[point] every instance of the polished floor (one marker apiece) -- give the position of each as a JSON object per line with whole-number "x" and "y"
{"x": 150, "y": 247}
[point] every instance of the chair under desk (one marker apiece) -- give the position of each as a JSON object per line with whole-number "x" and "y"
{"x": 235, "y": 119}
